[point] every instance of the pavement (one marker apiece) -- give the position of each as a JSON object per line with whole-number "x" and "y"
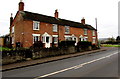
{"x": 45, "y": 60}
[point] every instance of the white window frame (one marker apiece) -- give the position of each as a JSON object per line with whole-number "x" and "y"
{"x": 93, "y": 32}
{"x": 34, "y": 25}
{"x": 34, "y": 35}
{"x": 85, "y": 31}
{"x": 55, "y": 36}
{"x": 94, "y": 40}
{"x": 13, "y": 40}
{"x": 69, "y": 37}
{"x": 55, "y": 28}
{"x": 85, "y": 38}
{"x": 67, "y": 29}
{"x": 81, "y": 37}
{"x": 13, "y": 29}
{"x": 43, "y": 39}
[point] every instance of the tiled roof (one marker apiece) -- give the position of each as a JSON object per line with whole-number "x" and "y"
{"x": 52, "y": 20}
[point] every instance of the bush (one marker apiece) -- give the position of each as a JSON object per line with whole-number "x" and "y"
{"x": 83, "y": 45}
{"x": 38, "y": 44}
{"x": 66, "y": 43}
{"x": 94, "y": 47}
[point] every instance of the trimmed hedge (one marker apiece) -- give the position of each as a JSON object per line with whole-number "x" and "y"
{"x": 66, "y": 43}
{"x": 38, "y": 44}
{"x": 84, "y": 44}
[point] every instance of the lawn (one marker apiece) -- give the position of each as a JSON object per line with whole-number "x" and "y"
{"x": 110, "y": 45}
{"x": 4, "y": 48}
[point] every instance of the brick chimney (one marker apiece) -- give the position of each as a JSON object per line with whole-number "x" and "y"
{"x": 21, "y": 6}
{"x": 56, "y": 13}
{"x": 11, "y": 19}
{"x": 83, "y": 20}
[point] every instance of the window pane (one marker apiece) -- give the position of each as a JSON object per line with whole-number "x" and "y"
{"x": 68, "y": 38}
{"x": 54, "y": 27}
{"x": 35, "y": 39}
{"x": 94, "y": 40}
{"x": 55, "y": 39}
{"x": 35, "y": 25}
{"x": 93, "y": 33}
{"x": 13, "y": 29}
{"x": 85, "y": 31}
{"x": 67, "y": 29}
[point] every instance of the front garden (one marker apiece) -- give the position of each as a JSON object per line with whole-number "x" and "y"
{"x": 36, "y": 51}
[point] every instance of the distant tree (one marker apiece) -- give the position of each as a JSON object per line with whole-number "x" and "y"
{"x": 118, "y": 39}
{"x": 111, "y": 39}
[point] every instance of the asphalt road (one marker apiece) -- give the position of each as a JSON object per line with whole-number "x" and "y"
{"x": 100, "y": 64}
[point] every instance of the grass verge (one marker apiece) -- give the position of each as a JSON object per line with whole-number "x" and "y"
{"x": 110, "y": 45}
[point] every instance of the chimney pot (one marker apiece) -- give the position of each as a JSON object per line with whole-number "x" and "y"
{"x": 83, "y": 20}
{"x": 56, "y": 13}
{"x": 11, "y": 19}
{"x": 21, "y": 6}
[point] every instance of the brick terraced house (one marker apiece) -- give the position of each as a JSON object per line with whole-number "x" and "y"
{"x": 28, "y": 27}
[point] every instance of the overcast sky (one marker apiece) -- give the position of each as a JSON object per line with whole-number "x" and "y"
{"x": 106, "y": 12}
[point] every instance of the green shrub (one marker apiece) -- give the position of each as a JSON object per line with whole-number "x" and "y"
{"x": 38, "y": 44}
{"x": 94, "y": 47}
{"x": 84, "y": 44}
{"x": 66, "y": 43}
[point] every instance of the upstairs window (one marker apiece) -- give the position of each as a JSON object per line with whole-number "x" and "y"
{"x": 93, "y": 32}
{"x": 36, "y": 25}
{"x": 85, "y": 31}
{"x": 67, "y": 30}
{"x": 55, "y": 28}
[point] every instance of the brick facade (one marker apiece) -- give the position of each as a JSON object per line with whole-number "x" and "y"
{"x": 23, "y": 30}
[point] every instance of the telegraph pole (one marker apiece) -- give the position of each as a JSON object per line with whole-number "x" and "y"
{"x": 97, "y": 33}
{"x": 96, "y": 22}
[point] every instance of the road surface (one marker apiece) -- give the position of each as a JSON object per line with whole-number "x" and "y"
{"x": 100, "y": 64}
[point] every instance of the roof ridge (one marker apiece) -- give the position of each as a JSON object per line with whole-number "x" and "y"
{"x": 52, "y": 20}
{"x": 52, "y": 17}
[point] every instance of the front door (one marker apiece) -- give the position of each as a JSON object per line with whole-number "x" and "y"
{"x": 47, "y": 44}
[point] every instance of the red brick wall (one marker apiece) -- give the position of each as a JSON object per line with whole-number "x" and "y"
{"x": 24, "y": 30}
{"x": 89, "y": 35}
{"x": 76, "y": 31}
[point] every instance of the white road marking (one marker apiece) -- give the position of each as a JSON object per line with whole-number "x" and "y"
{"x": 79, "y": 66}
{"x": 75, "y": 67}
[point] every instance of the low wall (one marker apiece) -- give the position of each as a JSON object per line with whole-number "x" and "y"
{"x": 22, "y": 55}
